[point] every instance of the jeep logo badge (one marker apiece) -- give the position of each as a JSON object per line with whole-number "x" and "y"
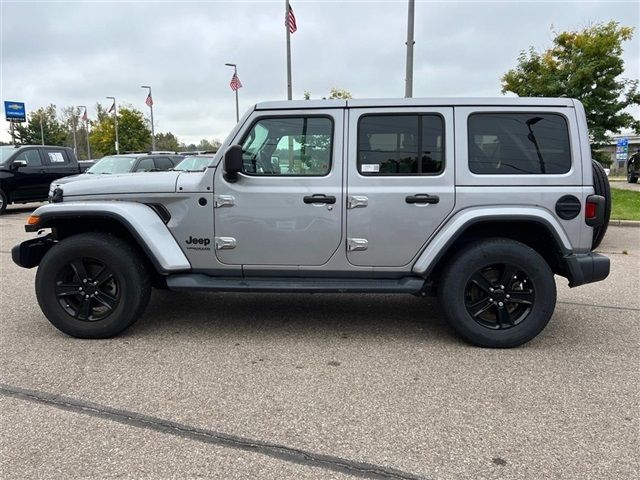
{"x": 194, "y": 243}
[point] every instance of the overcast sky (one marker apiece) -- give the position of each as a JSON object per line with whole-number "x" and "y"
{"x": 76, "y": 53}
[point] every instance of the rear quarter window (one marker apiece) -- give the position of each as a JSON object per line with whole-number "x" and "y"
{"x": 518, "y": 144}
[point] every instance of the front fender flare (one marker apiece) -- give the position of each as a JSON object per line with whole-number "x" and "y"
{"x": 141, "y": 221}
{"x": 459, "y": 222}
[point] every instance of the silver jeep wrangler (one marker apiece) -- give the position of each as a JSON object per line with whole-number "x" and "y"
{"x": 480, "y": 201}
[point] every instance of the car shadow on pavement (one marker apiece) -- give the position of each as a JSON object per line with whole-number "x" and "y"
{"x": 265, "y": 315}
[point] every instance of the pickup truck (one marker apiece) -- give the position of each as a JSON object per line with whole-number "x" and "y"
{"x": 27, "y": 171}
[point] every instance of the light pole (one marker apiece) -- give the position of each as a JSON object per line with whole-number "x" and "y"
{"x": 41, "y": 131}
{"x": 149, "y": 102}
{"x": 115, "y": 117}
{"x": 85, "y": 117}
{"x": 408, "y": 88}
{"x": 235, "y": 74}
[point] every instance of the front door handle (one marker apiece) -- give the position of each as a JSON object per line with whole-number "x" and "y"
{"x": 422, "y": 198}
{"x": 319, "y": 198}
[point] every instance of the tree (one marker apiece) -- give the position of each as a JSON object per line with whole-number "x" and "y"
{"x": 333, "y": 94}
{"x": 134, "y": 135}
{"x": 30, "y": 133}
{"x": 585, "y": 65}
{"x": 206, "y": 145}
{"x": 167, "y": 142}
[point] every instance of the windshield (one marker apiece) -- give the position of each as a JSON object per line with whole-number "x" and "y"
{"x": 113, "y": 164}
{"x": 5, "y": 153}
{"x": 194, "y": 163}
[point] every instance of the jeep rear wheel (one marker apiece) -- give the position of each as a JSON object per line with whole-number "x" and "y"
{"x": 92, "y": 285}
{"x": 498, "y": 293}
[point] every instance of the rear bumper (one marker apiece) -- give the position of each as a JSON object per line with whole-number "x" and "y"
{"x": 586, "y": 268}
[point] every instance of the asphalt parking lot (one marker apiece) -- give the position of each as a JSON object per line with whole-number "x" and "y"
{"x": 320, "y": 386}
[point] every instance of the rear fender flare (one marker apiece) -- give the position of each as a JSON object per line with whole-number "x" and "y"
{"x": 459, "y": 222}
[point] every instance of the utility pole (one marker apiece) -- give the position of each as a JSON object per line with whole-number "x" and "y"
{"x": 408, "y": 89}
{"x": 115, "y": 117}
{"x": 149, "y": 102}
{"x": 86, "y": 126}
{"x": 287, "y": 8}
{"x": 235, "y": 75}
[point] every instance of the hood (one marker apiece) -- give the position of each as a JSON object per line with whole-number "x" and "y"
{"x": 94, "y": 184}
{"x": 70, "y": 178}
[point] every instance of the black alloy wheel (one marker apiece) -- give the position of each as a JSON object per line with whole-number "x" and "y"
{"x": 87, "y": 289}
{"x": 499, "y": 296}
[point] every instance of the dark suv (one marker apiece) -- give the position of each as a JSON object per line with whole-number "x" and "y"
{"x": 633, "y": 168}
{"x": 26, "y": 171}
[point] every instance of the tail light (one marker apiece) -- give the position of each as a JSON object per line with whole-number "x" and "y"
{"x": 594, "y": 210}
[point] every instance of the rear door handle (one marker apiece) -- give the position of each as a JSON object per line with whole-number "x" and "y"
{"x": 422, "y": 198}
{"x": 319, "y": 198}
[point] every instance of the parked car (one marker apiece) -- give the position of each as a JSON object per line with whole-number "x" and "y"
{"x": 633, "y": 168}
{"x": 27, "y": 171}
{"x": 194, "y": 163}
{"x": 127, "y": 163}
{"x": 478, "y": 201}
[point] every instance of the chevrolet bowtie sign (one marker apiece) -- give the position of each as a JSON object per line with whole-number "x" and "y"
{"x": 15, "y": 112}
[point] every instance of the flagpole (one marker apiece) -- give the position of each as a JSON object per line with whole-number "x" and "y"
{"x": 153, "y": 133}
{"x": 75, "y": 144}
{"x": 286, "y": 13}
{"x": 41, "y": 130}
{"x": 115, "y": 117}
{"x": 86, "y": 126}
{"x": 235, "y": 75}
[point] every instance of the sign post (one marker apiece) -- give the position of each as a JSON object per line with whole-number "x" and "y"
{"x": 14, "y": 112}
{"x": 622, "y": 151}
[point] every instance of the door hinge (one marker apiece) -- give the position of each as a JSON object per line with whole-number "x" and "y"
{"x": 354, "y": 244}
{"x": 223, "y": 201}
{"x": 357, "y": 201}
{"x": 225, "y": 243}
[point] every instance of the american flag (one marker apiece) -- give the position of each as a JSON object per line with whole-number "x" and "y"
{"x": 235, "y": 82}
{"x": 290, "y": 21}
{"x": 113, "y": 107}
{"x": 85, "y": 117}
{"x": 149, "y": 101}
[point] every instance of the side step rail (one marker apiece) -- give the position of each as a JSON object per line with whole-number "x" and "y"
{"x": 198, "y": 282}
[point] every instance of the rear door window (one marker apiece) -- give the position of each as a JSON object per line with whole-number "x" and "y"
{"x": 56, "y": 157}
{"x": 145, "y": 165}
{"x": 400, "y": 145}
{"x": 518, "y": 143}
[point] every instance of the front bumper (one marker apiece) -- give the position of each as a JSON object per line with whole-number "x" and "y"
{"x": 29, "y": 254}
{"x": 586, "y": 268}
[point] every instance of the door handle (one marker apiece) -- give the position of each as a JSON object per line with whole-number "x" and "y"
{"x": 319, "y": 198}
{"x": 422, "y": 198}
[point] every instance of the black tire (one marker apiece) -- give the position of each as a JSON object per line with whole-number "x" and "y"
{"x": 601, "y": 187}
{"x": 505, "y": 319}
{"x": 3, "y": 202}
{"x": 99, "y": 267}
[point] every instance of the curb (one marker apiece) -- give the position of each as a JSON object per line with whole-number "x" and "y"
{"x": 624, "y": 223}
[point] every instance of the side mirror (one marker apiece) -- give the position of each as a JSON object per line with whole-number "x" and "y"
{"x": 18, "y": 164}
{"x": 232, "y": 163}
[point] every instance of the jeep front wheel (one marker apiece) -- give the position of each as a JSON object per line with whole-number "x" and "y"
{"x": 4, "y": 201}
{"x": 498, "y": 293}
{"x": 92, "y": 285}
